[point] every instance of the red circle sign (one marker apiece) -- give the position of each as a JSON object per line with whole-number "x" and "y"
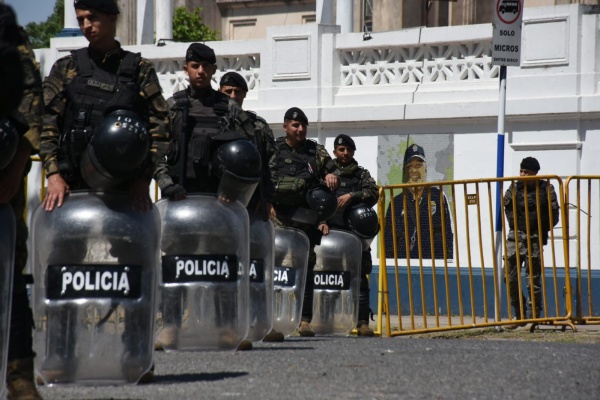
{"x": 509, "y": 10}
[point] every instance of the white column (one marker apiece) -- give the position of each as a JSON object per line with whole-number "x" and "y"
{"x": 70, "y": 25}
{"x": 344, "y": 15}
{"x": 145, "y": 22}
{"x": 164, "y": 19}
{"x": 325, "y": 12}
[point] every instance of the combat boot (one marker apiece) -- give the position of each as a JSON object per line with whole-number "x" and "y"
{"x": 305, "y": 329}
{"x": 363, "y": 329}
{"x": 274, "y": 336}
{"x": 148, "y": 377}
{"x": 245, "y": 345}
{"x": 167, "y": 338}
{"x": 19, "y": 380}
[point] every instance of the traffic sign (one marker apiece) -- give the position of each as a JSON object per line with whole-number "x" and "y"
{"x": 506, "y": 40}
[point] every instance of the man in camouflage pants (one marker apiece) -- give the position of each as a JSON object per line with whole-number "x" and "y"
{"x": 522, "y": 211}
{"x": 28, "y": 118}
{"x": 302, "y": 164}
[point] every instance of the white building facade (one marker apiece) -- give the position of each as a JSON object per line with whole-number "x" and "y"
{"x": 435, "y": 86}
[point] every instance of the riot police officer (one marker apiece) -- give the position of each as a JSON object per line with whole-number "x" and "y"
{"x": 261, "y": 205}
{"x": 205, "y": 124}
{"x": 234, "y": 85}
{"x": 201, "y": 119}
{"x": 524, "y": 203}
{"x": 356, "y": 187}
{"x": 303, "y": 165}
{"x": 82, "y": 89}
{"x": 93, "y": 96}
{"x": 20, "y": 77}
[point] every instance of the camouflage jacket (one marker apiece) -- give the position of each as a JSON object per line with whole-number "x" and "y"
{"x": 367, "y": 191}
{"x": 32, "y": 105}
{"x": 528, "y": 209}
{"x": 56, "y": 101}
{"x": 268, "y": 151}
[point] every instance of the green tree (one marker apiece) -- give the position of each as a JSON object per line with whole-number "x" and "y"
{"x": 41, "y": 33}
{"x": 188, "y": 26}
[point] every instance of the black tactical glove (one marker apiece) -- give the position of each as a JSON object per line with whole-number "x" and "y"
{"x": 174, "y": 192}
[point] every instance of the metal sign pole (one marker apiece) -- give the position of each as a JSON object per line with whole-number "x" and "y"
{"x": 506, "y": 50}
{"x": 500, "y": 174}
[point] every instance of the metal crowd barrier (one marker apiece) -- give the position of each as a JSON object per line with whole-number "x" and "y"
{"x": 582, "y": 194}
{"x": 447, "y": 265}
{"x": 451, "y": 276}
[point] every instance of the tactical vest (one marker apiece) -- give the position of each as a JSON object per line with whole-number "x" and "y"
{"x": 202, "y": 130}
{"x": 297, "y": 165}
{"x": 90, "y": 93}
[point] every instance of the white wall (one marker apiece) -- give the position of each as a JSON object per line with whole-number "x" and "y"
{"x": 432, "y": 81}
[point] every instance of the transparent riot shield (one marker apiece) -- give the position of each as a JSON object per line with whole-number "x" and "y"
{"x": 291, "y": 261}
{"x": 262, "y": 242}
{"x": 7, "y": 258}
{"x": 95, "y": 261}
{"x": 204, "y": 286}
{"x": 336, "y": 283}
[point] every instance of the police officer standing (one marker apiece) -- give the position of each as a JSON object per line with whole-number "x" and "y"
{"x": 303, "y": 165}
{"x": 357, "y": 186}
{"x": 27, "y": 120}
{"x": 522, "y": 197}
{"x": 234, "y": 85}
{"x": 420, "y": 202}
{"x": 88, "y": 96}
{"x": 87, "y": 85}
{"x": 204, "y": 115}
{"x": 203, "y": 120}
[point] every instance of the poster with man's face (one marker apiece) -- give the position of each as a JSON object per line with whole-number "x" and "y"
{"x": 429, "y": 159}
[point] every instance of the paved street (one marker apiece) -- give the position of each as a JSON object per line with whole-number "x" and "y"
{"x": 330, "y": 367}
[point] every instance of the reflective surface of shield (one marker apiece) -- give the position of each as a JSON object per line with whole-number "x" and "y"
{"x": 94, "y": 261}
{"x": 262, "y": 248}
{"x": 7, "y": 258}
{"x": 204, "y": 287}
{"x": 336, "y": 283}
{"x": 291, "y": 261}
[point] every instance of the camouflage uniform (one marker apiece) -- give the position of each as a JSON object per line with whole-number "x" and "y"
{"x": 519, "y": 237}
{"x": 245, "y": 122}
{"x": 266, "y": 147}
{"x": 56, "y": 101}
{"x": 284, "y": 211}
{"x": 29, "y": 113}
{"x": 357, "y": 181}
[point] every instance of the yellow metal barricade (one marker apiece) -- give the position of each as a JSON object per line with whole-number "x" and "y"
{"x": 442, "y": 250}
{"x": 581, "y": 196}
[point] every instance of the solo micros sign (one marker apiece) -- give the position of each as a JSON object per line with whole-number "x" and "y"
{"x": 506, "y": 39}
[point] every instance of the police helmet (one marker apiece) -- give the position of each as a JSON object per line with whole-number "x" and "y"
{"x": 237, "y": 166}
{"x": 118, "y": 148}
{"x": 9, "y": 140}
{"x": 237, "y": 157}
{"x": 121, "y": 142}
{"x": 362, "y": 221}
{"x": 323, "y": 201}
